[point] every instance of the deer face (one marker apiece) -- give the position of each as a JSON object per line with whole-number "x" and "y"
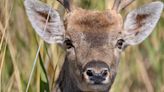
{"x": 93, "y": 40}
{"x": 94, "y": 37}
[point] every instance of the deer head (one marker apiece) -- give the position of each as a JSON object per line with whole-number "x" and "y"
{"x": 93, "y": 40}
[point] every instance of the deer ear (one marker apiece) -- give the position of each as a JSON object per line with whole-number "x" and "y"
{"x": 140, "y": 22}
{"x": 45, "y": 21}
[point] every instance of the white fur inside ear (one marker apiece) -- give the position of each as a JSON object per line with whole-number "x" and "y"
{"x": 51, "y": 31}
{"x": 140, "y": 22}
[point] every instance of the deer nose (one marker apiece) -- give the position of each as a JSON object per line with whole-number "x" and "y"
{"x": 96, "y": 72}
{"x": 97, "y": 78}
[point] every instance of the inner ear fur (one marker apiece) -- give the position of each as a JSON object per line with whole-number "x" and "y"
{"x": 140, "y": 22}
{"x": 46, "y": 21}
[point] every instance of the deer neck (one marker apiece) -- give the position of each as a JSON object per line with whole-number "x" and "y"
{"x": 65, "y": 80}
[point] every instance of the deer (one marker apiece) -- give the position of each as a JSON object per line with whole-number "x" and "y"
{"x": 93, "y": 40}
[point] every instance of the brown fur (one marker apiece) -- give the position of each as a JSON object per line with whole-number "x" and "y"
{"x": 86, "y": 20}
{"x": 140, "y": 18}
{"x": 94, "y": 25}
{"x": 44, "y": 15}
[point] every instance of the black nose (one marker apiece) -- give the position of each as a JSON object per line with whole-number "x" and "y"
{"x": 96, "y": 71}
{"x": 97, "y": 78}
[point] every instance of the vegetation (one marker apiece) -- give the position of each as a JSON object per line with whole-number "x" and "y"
{"x": 141, "y": 68}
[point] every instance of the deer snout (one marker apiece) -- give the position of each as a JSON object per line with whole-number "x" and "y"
{"x": 96, "y": 72}
{"x": 96, "y": 78}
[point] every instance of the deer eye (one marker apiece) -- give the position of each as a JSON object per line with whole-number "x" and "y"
{"x": 120, "y": 43}
{"x": 68, "y": 43}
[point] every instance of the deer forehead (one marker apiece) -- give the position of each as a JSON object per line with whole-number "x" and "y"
{"x": 86, "y": 20}
{"x": 95, "y": 27}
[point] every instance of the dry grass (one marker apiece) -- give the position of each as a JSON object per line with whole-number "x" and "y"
{"x": 141, "y": 68}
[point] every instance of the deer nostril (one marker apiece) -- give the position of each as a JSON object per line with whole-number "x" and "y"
{"x": 90, "y": 73}
{"x": 104, "y": 73}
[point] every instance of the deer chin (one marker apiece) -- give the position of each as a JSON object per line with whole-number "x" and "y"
{"x": 88, "y": 87}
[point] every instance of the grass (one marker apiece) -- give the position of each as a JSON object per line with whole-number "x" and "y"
{"x": 141, "y": 68}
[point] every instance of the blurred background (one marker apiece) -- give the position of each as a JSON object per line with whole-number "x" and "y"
{"x": 141, "y": 67}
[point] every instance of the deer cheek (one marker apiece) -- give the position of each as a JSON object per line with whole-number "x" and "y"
{"x": 71, "y": 54}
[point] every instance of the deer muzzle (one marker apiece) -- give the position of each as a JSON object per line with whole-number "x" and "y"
{"x": 96, "y": 72}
